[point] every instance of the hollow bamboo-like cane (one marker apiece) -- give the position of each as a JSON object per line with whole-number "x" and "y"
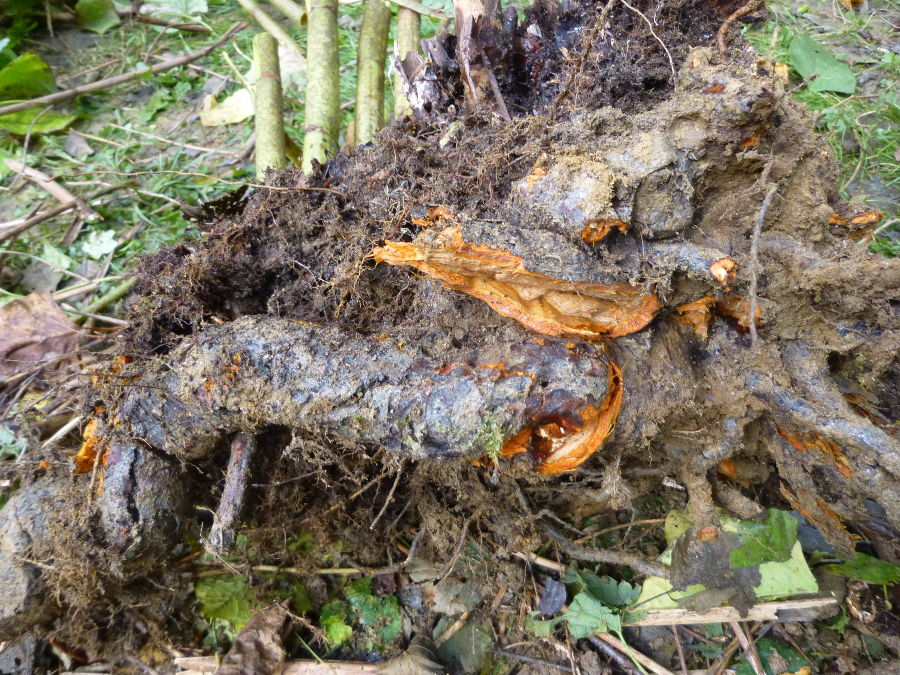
{"x": 322, "y": 85}
{"x": 270, "y": 144}
{"x": 370, "y": 70}
{"x": 269, "y": 25}
{"x": 291, "y": 10}
{"x": 408, "y": 23}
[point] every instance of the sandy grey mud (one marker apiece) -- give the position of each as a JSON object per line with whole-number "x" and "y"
{"x": 465, "y": 286}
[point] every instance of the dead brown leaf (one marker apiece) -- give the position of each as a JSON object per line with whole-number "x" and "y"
{"x": 34, "y": 330}
{"x": 540, "y": 303}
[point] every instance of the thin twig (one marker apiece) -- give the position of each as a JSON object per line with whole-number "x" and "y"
{"x": 729, "y": 22}
{"x": 14, "y": 228}
{"x": 97, "y": 317}
{"x": 638, "y": 562}
{"x": 87, "y": 71}
{"x": 653, "y": 33}
{"x": 640, "y": 657}
{"x": 681, "y": 660}
{"x": 57, "y": 191}
{"x": 588, "y": 44}
{"x": 754, "y": 259}
{"x": 748, "y": 647}
{"x": 533, "y": 661}
{"x": 205, "y": 176}
{"x": 63, "y": 430}
{"x": 464, "y": 531}
{"x": 156, "y": 21}
{"x": 614, "y": 655}
{"x": 453, "y": 629}
{"x": 539, "y": 561}
{"x": 389, "y": 497}
{"x": 100, "y": 85}
{"x": 605, "y": 530}
{"x": 356, "y": 494}
{"x": 161, "y": 139}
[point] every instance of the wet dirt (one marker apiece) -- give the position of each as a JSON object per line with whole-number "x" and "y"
{"x": 279, "y": 320}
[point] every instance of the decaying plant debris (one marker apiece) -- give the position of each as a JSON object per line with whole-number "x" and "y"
{"x": 497, "y": 301}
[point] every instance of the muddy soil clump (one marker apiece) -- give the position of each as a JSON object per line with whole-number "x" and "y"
{"x": 636, "y": 278}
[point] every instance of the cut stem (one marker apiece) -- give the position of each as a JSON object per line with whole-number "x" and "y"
{"x": 291, "y": 10}
{"x": 408, "y": 26}
{"x": 323, "y": 84}
{"x": 373, "y": 38}
{"x": 269, "y": 125}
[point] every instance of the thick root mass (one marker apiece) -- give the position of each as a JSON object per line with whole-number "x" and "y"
{"x": 530, "y": 296}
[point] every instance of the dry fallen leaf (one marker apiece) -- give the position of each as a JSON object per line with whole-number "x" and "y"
{"x": 540, "y": 303}
{"x": 34, "y": 330}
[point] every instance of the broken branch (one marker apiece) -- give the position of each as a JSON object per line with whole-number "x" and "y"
{"x": 100, "y": 85}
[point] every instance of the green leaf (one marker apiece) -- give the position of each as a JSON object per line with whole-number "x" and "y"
{"x": 26, "y": 77}
{"x": 100, "y": 243}
{"x": 97, "y": 15}
{"x": 769, "y": 541}
{"x": 540, "y": 628}
{"x": 332, "y": 619}
{"x": 810, "y": 58}
{"x": 610, "y": 592}
{"x": 301, "y": 597}
{"x": 11, "y": 443}
{"x": 56, "y": 258}
{"x": 587, "y": 615}
{"x": 34, "y": 121}
{"x": 380, "y": 614}
{"x": 227, "y": 598}
{"x": 866, "y": 568}
{"x": 178, "y": 10}
{"x": 767, "y": 648}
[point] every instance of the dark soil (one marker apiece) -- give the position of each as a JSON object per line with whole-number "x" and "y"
{"x": 287, "y": 278}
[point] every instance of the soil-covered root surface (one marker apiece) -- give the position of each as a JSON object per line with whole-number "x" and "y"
{"x": 503, "y": 312}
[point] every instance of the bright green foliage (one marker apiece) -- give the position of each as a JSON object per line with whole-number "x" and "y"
{"x": 10, "y": 443}
{"x": 379, "y": 618}
{"x": 373, "y": 613}
{"x": 333, "y": 620}
{"x": 866, "y": 568}
{"x": 175, "y": 10}
{"x": 610, "y": 592}
{"x": 539, "y": 627}
{"x": 97, "y": 15}
{"x": 99, "y": 243}
{"x": 587, "y": 615}
{"x": 767, "y": 647}
{"x": 34, "y": 121}
{"x": 26, "y": 77}
{"x": 228, "y": 598}
{"x": 163, "y": 98}
{"x": 769, "y": 541}
{"x": 809, "y": 58}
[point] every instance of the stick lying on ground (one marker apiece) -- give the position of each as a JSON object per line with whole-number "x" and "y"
{"x": 100, "y": 85}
